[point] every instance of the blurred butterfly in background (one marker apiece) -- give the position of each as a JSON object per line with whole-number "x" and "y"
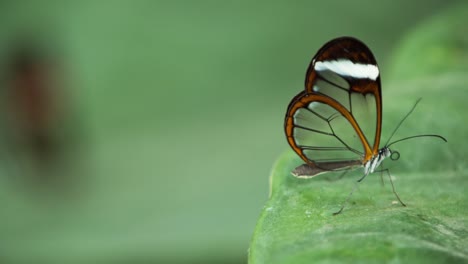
{"x": 336, "y": 122}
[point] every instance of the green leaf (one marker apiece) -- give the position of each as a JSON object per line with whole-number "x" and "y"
{"x": 297, "y": 224}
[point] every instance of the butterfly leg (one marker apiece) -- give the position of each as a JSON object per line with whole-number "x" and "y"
{"x": 381, "y": 175}
{"x": 350, "y": 194}
{"x": 393, "y": 186}
{"x": 362, "y": 178}
{"x": 381, "y": 178}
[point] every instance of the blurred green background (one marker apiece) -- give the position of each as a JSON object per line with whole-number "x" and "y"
{"x": 174, "y": 119}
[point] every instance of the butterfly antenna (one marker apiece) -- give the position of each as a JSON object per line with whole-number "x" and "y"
{"x": 401, "y": 122}
{"x": 406, "y": 138}
{"x": 402, "y": 139}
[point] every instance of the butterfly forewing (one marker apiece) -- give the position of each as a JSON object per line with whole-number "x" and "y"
{"x": 336, "y": 120}
{"x": 323, "y": 133}
{"x": 364, "y": 112}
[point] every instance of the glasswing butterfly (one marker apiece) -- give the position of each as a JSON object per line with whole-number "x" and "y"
{"x": 336, "y": 122}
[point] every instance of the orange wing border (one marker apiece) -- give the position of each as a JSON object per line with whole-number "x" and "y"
{"x": 303, "y": 99}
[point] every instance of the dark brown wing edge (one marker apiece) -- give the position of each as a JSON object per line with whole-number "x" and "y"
{"x": 355, "y": 50}
{"x": 312, "y": 170}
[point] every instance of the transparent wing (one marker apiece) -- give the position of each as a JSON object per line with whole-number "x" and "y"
{"x": 319, "y": 132}
{"x": 337, "y": 118}
{"x": 346, "y": 91}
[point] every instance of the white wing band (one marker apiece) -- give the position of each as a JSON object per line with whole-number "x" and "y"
{"x": 349, "y": 68}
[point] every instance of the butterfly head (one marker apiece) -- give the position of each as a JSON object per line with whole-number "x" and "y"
{"x": 386, "y": 152}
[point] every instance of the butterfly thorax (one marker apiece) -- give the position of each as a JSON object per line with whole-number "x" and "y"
{"x": 374, "y": 162}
